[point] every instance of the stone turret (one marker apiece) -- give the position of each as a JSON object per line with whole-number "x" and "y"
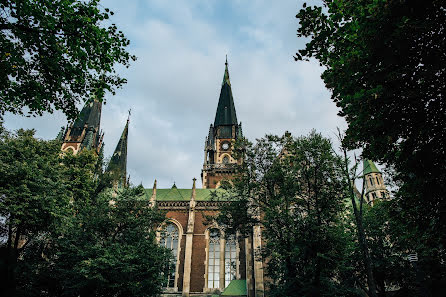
{"x": 374, "y": 183}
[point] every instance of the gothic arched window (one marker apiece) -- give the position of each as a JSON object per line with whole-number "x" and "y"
{"x": 214, "y": 259}
{"x": 225, "y": 160}
{"x": 230, "y": 260}
{"x": 169, "y": 239}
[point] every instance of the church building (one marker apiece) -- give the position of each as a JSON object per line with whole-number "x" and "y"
{"x": 205, "y": 261}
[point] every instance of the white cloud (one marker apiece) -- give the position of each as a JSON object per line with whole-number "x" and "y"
{"x": 173, "y": 87}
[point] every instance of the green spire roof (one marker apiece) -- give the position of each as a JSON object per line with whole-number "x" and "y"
{"x": 226, "y": 114}
{"x": 226, "y": 75}
{"x": 369, "y": 167}
{"x": 90, "y": 116}
{"x": 118, "y": 162}
{"x": 61, "y": 134}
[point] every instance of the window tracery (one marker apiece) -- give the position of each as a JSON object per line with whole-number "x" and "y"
{"x": 169, "y": 239}
{"x": 230, "y": 260}
{"x": 214, "y": 259}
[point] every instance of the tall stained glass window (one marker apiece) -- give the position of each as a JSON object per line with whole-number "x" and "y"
{"x": 169, "y": 239}
{"x": 214, "y": 259}
{"x": 230, "y": 260}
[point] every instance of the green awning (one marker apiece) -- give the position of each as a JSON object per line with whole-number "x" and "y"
{"x": 236, "y": 287}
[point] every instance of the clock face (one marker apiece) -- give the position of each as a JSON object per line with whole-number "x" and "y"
{"x": 225, "y": 146}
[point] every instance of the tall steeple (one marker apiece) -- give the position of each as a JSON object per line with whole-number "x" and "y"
{"x": 218, "y": 151}
{"x": 118, "y": 162}
{"x": 225, "y": 114}
{"x": 84, "y": 132}
{"x": 374, "y": 183}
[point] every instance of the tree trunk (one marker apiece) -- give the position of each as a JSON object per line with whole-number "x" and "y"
{"x": 365, "y": 253}
{"x": 360, "y": 230}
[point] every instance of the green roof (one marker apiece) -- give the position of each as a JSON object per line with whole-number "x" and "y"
{"x": 236, "y": 287}
{"x": 369, "y": 167}
{"x": 175, "y": 194}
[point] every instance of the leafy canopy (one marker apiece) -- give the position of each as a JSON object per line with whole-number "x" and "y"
{"x": 385, "y": 66}
{"x": 56, "y": 53}
{"x": 66, "y": 232}
{"x": 295, "y": 189}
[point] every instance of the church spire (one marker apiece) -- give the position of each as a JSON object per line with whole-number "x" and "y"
{"x": 84, "y": 132}
{"x": 118, "y": 162}
{"x": 226, "y": 114}
{"x": 219, "y": 160}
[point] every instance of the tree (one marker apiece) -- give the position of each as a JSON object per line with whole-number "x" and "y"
{"x": 385, "y": 67}
{"x": 388, "y": 248}
{"x": 32, "y": 198}
{"x": 357, "y": 204}
{"x": 56, "y": 53}
{"x": 294, "y": 187}
{"x": 67, "y": 232}
{"x": 107, "y": 248}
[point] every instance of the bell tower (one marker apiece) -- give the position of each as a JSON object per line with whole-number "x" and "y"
{"x": 374, "y": 183}
{"x": 219, "y": 161}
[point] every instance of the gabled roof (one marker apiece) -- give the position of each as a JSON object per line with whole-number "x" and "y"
{"x": 118, "y": 161}
{"x": 226, "y": 114}
{"x": 369, "y": 167}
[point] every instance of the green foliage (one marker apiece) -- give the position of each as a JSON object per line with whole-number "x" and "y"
{"x": 295, "y": 187}
{"x": 388, "y": 248}
{"x": 106, "y": 249}
{"x": 68, "y": 233}
{"x": 32, "y": 198}
{"x": 56, "y": 53}
{"x": 385, "y": 65}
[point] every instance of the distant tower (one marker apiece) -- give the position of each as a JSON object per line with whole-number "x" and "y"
{"x": 118, "y": 162}
{"x": 218, "y": 151}
{"x": 85, "y": 132}
{"x": 374, "y": 183}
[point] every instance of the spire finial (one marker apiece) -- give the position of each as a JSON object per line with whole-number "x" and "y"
{"x": 226, "y": 75}
{"x": 153, "y": 198}
{"x": 130, "y": 113}
{"x": 192, "y": 197}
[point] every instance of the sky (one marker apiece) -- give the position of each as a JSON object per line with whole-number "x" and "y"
{"x": 174, "y": 86}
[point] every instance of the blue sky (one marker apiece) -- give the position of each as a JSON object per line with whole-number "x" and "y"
{"x": 174, "y": 85}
